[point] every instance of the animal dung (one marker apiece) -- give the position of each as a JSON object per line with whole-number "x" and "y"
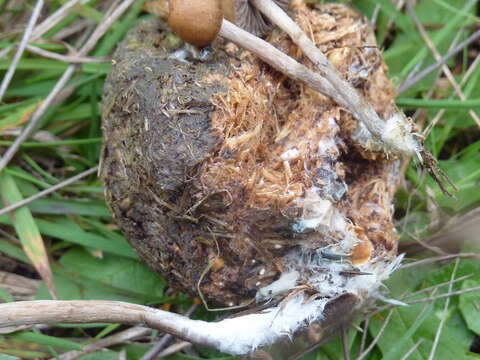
{"x": 240, "y": 185}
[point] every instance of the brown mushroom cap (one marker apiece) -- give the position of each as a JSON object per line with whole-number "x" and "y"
{"x": 249, "y": 18}
{"x": 195, "y": 21}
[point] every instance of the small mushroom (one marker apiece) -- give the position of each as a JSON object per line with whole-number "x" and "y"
{"x": 197, "y": 22}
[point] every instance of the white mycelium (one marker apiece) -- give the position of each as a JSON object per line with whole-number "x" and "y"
{"x": 397, "y": 135}
{"x": 244, "y": 334}
{"x": 314, "y": 269}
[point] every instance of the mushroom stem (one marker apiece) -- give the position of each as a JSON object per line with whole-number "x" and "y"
{"x": 278, "y": 60}
{"x": 350, "y": 96}
{"x": 328, "y": 81}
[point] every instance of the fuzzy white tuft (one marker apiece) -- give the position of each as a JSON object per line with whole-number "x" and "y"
{"x": 290, "y": 154}
{"x": 286, "y": 282}
{"x": 244, "y": 334}
{"x": 399, "y": 135}
{"x": 329, "y": 278}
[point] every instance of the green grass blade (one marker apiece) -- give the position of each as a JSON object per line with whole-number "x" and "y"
{"x": 27, "y": 230}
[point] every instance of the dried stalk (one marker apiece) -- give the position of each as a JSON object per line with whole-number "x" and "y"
{"x": 50, "y": 190}
{"x": 346, "y": 95}
{"x": 82, "y": 312}
{"x": 454, "y": 51}
{"x": 395, "y": 134}
{"x": 23, "y": 43}
{"x": 334, "y": 89}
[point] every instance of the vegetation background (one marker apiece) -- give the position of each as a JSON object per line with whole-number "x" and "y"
{"x": 65, "y": 242}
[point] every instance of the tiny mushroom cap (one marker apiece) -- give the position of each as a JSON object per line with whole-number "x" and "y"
{"x": 197, "y": 22}
{"x": 245, "y": 15}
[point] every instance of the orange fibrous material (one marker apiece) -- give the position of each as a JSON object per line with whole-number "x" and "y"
{"x": 264, "y": 116}
{"x": 257, "y": 133}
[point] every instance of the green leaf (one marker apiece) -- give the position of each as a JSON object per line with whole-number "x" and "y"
{"x": 128, "y": 276}
{"x": 8, "y": 357}
{"x": 397, "y": 328}
{"x": 27, "y": 230}
{"x": 5, "y": 296}
{"x": 19, "y": 117}
{"x": 42, "y": 339}
{"x": 71, "y": 207}
{"x": 65, "y": 229}
{"x": 100, "y": 355}
{"x": 470, "y": 306}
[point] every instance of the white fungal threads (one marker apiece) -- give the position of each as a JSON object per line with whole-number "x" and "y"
{"x": 317, "y": 212}
{"x": 397, "y": 135}
{"x": 244, "y": 334}
{"x": 290, "y": 154}
{"x": 286, "y": 282}
{"x": 307, "y": 266}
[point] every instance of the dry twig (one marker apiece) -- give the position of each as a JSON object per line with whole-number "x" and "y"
{"x": 437, "y": 56}
{"x": 460, "y": 47}
{"x": 23, "y": 43}
{"x": 91, "y": 311}
{"x": 49, "y": 190}
{"x": 158, "y": 347}
{"x": 118, "y": 338}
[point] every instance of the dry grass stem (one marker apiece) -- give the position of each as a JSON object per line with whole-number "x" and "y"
{"x": 443, "y": 296}
{"x": 345, "y": 345}
{"x": 438, "y": 56}
{"x": 118, "y": 338}
{"x": 412, "y": 350}
{"x": 440, "y": 258}
{"x": 460, "y": 47}
{"x": 54, "y": 19}
{"x": 363, "y": 341}
{"x": 437, "y": 286}
{"x": 440, "y": 113}
{"x": 50, "y": 190}
{"x": 377, "y": 337}
{"x": 21, "y": 47}
{"x": 175, "y": 348}
{"x": 73, "y": 59}
{"x": 444, "y": 316}
{"x": 165, "y": 340}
